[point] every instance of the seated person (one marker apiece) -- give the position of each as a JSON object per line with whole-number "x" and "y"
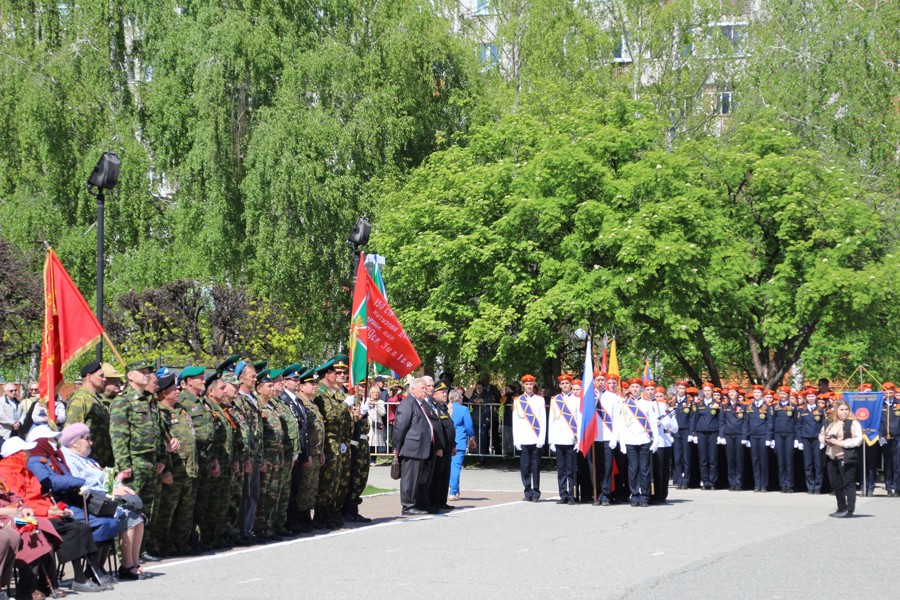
{"x": 76, "y": 446}
{"x": 49, "y": 466}
{"x": 77, "y": 544}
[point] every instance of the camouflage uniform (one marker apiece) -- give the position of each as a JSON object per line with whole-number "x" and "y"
{"x": 253, "y": 451}
{"x": 273, "y": 457}
{"x": 85, "y": 407}
{"x": 201, "y": 415}
{"x": 176, "y": 503}
{"x": 291, "y": 452}
{"x": 315, "y": 446}
{"x": 240, "y": 432}
{"x": 137, "y": 444}
{"x": 214, "y": 527}
{"x": 334, "y": 473}
{"x": 359, "y": 467}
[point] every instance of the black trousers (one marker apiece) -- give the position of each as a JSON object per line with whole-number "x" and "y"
{"x": 892, "y": 464}
{"x": 565, "y": 470}
{"x": 734, "y": 455}
{"x": 842, "y": 476}
{"x": 439, "y": 483}
{"x": 662, "y": 460}
{"x": 682, "y": 452}
{"x": 639, "y": 472}
{"x": 812, "y": 464}
{"x": 530, "y": 469}
{"x": 784, "y": 452}
{"x": 414, "y": 477}
{"x": 709, "y": 458}
{"x": 759, "y": 456}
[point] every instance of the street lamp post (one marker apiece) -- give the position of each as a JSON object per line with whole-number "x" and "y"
{"x": 103, "y": 177}
{"x": 359, "y": 236}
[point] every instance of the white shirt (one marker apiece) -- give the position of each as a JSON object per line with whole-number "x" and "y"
{"x": 628, "y": 430}
{"x": 609, "y": 402}
{"x": 668, "y": 424}
{"x": 524, "y": 433}
{"x": 559, "y": 429}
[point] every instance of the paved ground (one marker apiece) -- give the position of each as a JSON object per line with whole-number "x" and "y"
{"x": 703, "y": 545}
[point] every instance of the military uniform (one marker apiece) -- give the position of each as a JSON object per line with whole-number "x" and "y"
{"x": 315, "y": 449}
{"x": 784, "y": 417}
{"x": 809, "y": 424}
{"x": 707, "y": 428}
{"x": 239, "y": 452}
{"x": 85, "y": 407}
{"x": 681, "y": 447}
{"x": 299, "y": 412}
{"x": 757, "y": 434}
{"x": 733, "y": 429}
{"x": 333, "y": 415}
{"x": 137, "y": 444}
{"x": 201, "y": 417}
{"x": 440, "y": 479}
{"x": 176, "y": 503}
{"x": 253, "y": 451}
{"x": 273, "y": 443}
{"x": 290, "y": 455}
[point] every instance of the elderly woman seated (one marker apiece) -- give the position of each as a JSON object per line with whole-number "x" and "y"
{"x": 77, "y": 545}
{"x": 49, "y": 465}
{"x": 76, "y": 446}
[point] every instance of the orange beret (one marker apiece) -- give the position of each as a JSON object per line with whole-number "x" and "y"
{"x": 649, "y": 384}
{"x": 613, "y": 376}
{"x": 564, "y": 377}
{"x": 707, "y": 384}
{"x": 599, "y": 373}
{"x": 769, "y": 393}
{"x": 784, "y": 389}
{"x": 636, "y": 381}
{"x": 660, "y": 389}
{"x": 682, "y": 382}
{"x": 717, "y": 389}
{"x": 576, "y": 382}
{"x": 730, "y": 386}
{"x": 692, "y": 390}
{"x": 756, "y": 386}
{"x": 527, "y": 378}
{"x": 887, "y": 385}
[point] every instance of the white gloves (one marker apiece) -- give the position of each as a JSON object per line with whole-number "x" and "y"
{"x": 796, "y": 445}
{"x": 746, "y": 443}
{"x": 799, "y": 445}
{"x": 882, "y": 441}
{"x": 653, "y": 446}
{"x": 539, "y": 446}
{"x": 552, "y": 447}
{"x": 821, "y": 445}
{"x": 693, "y": 439}
{"x": 343, "y": 448}
{"x": 720, "y": 441}
{"x": 519, "y": 448}
{"x": 612, "y": 444}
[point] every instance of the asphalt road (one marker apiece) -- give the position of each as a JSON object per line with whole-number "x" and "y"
{"x": 704, "y": 544}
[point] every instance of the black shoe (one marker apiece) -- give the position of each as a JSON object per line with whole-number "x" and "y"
{"x": 604, "y": 503}
{"x": 562, "y": 501}
{"x": 446, "y": 507}
{"x": 839, "y": 514}
{"x": 526, "y": 499}
{"x": 847, "y": 515}
{"x": 635, "y": 504}
{"x": 788, "y": 490}
{"x": 644, "y": 504}
{"x": 126, "y": 574}
{"x": 147, "y": 557}
{"x": 362, "y": 519}
{"x": 890, "y": 493}
{"x": 87, "y": 586}
{"x": 414, "y": 511}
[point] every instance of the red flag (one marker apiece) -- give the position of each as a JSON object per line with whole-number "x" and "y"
{"x": 70, "y": 328}
{"x": 388, "y": 344}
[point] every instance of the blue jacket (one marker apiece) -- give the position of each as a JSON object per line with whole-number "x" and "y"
{"x": 462, "y": 420}
{"x": 64, "y": 487}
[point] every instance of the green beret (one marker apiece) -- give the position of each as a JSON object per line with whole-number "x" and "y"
{"x": 189, "y": 372}
{"x": 228, "y": 364}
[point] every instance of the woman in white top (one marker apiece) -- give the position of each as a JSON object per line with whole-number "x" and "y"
{"x": 842, "y": 436}
{"x": 377, "y": 410}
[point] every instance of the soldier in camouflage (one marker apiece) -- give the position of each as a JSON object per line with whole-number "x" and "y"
{"x": 291, "y": 455}
{"x": 291, "y": 384}
{"x": 240, "y": 463}
{"x": 248, "y": 404}
{"x": 214, "y": 523}
{"x": 176, "y": 503}
{"x": 273, "y": 443}
{"x": 137, "y": 441}
{"x": 338, "y": 429}
{"x": 85, "y": 406}
{"x": 314, "y": 451}
{"x": 359, "y": 456}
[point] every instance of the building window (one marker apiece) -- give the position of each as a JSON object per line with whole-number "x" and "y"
{"x": 482, "y": 7}
{"x": 490, "y": 54}
{"x": 734, "y": 34}
{"x": 724, "y": 103}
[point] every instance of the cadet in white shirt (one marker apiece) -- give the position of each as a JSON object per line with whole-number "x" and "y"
{"x": 562, "y": 435}
{"x": 662, "y": 458}
{"x": 634, "y": 426}
{"x": 529, "y": 425}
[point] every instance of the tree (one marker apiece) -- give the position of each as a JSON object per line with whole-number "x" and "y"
{"x": 21, "y": 312}
{"x": 725, "y": 254}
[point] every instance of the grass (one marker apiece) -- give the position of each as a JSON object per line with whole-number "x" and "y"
{"x": 371, "y": 490}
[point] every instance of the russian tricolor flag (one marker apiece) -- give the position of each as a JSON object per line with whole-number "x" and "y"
{"x": 587, "y": 427}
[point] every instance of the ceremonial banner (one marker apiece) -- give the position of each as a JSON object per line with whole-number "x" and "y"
{"x": 613, "y": 359}
{"x": 359, "y": 331}
{"x": 70, "y": 328}
{"x": 587, "y": 428}
{"x": 648, "y": 374}
{"x": 378, "y": 332}
{"x": 374, "y": 263}
{"x": 867, "y": 408}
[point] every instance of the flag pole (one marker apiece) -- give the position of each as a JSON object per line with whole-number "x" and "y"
{"x": 113, "y": 348}
{"x": 594, "y": 468}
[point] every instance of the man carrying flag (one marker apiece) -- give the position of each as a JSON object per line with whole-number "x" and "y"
{"x": 529, "y": 433}
{"x": 635, "y": 426}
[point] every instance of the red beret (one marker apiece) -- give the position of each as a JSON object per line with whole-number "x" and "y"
{"x": 756, "y": 386}
{"x": 887, "y": 385}
{"x": 527, "y": 378}
{"x": 692, "y": 390}
{"x": 682, "y": 382}
{"x": 636, "y": 380}
{"x": 660, "y": 389}
{"x": 707, "y": 384}
{"x": 649, "y": 384}
{"x": 599, "y": 373}
{"x": 613, "y": 376}
{"x": 576, "y": 382}
{"x": 564, "y": 377}
{"x": 784, "y": 389}
{"x": 717, "y": 389}
{"x": 730, "y": 386}
{"x": 769, "y": 393}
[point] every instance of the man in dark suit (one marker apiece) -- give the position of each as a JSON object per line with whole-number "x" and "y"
{"x": 439, "y": 486}
{"x": 413, "y": 444}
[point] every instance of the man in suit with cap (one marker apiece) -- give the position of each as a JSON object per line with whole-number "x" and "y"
{"x": 529, "y": 432}
{"x": 414, "y": 446}
{"x": 440, "y": 478}
{"x": 291, "y": 384}
{"x": 86, "y": 406}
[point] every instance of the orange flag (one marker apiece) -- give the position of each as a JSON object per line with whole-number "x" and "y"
{"x": 70, "y": 328}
